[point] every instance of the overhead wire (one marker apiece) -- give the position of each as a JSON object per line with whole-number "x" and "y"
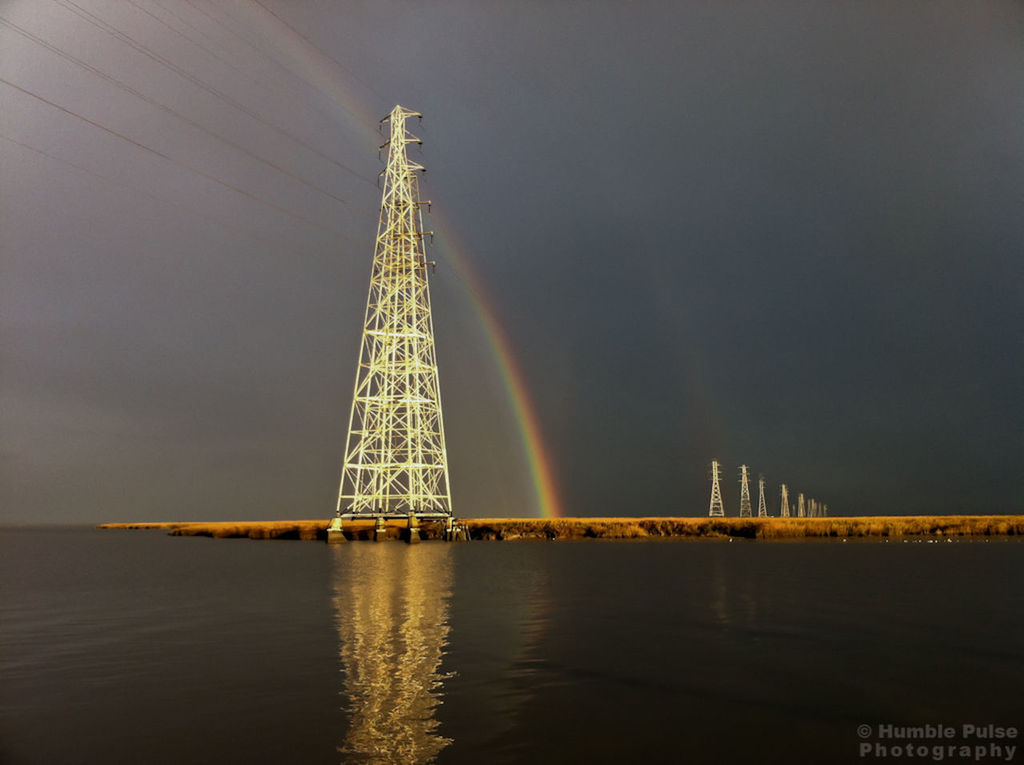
{"x": 242, "y": 72}
{"x": 172, "y": 160}
{"x": 127, "y": 88}
{"x": 113, "y": 31}
{"x": 255, "y": 47}
{"x": 317, "y": 49}
{"x": 235, "y": 33}
{"x": 139, "y": 190}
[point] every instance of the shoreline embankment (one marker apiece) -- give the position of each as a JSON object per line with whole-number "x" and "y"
{"x": 509, "y": 529}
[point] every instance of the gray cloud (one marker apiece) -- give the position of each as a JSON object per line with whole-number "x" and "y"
{"x": 787, "y": 234}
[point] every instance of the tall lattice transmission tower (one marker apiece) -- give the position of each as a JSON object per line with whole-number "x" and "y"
{"x": 784, "y": 502}
{"x": 745, "y": 511}
{"x": 800, "y": 510}
{"x": 396, "y": 464}
{"x": 762, "y": 508}
{"x": 717, "y": 508}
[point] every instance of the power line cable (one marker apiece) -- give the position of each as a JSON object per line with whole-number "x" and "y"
{"x": 99, "y": 23}
{"x": 127, "y": 88}
{"x": 183, "y": 165}
{"x": 318, "y": 50}
{"x": 245, "y": 40}
{"x": 139, "y": 190}
{"x": 242, "y": 72}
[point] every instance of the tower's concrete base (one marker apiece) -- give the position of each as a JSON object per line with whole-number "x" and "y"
{"x": 335, "y": 534}
{"x": 413, "y": 528}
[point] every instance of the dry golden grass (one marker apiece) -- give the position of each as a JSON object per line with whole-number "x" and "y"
{"x": 747, "y": 528}
{"x": 623, "y": 528}
{"x": 304, "y": 530}
{"x": 307, "y": 530}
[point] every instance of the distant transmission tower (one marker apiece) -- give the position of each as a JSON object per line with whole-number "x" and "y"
{"x": 800, "y": 509}
{"x": 784, "y": 506}
{"x": 762, "y": 508}
{"x": 824, "y": 510}
{"x": 396, "y": 464}
{"x": 744, "y": 493}
{"x": 717, "y": 508}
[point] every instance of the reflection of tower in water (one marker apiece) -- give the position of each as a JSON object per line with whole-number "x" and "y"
{"x": 391, "y": 605}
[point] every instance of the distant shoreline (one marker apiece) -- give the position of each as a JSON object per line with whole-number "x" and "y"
{"x": 509, "y": 529}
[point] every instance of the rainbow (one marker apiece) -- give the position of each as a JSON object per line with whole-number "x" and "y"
{"x": 513, "y": 380}
{"x": 322, "y": 72}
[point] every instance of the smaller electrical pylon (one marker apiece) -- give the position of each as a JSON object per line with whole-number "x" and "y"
{"x": 784, "y": 503}
{"x": 744, "y": 493}
{"x": 801, "y": 511}
{"x": 824, "y": 510}
{"x": 717, "y": 508}
{"x": 762, "y": 508}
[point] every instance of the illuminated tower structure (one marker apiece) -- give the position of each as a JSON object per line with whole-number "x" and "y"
{"x": 396, "y": 464}
{"x": 800, "y": 508}
{"x": 717, "y": 508}
{"x": 745, "y": 510}
{"x": 784, "y": 502}
{"x": 762, "y": 508}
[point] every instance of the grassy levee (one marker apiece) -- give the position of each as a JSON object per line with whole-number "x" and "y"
{"x": 747, "y": 528}
{"x": 303, "y": 530}
{"x": 508, "y": 529}
{"x": 307, "y": 530}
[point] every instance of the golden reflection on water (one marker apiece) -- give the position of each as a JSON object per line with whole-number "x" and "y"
{"x": 391, "y": 604}
{"x": 734, "y": 599}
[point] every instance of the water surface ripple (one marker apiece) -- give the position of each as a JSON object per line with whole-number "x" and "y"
{"x": 126, "y": 647}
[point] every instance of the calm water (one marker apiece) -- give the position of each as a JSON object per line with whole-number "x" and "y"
{"x": 136, "y": 647}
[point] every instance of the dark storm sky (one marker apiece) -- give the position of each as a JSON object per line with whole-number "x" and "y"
{"x": 789, "y": 234}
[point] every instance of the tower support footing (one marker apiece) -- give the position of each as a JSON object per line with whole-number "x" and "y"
{"x": 335, "y": 533}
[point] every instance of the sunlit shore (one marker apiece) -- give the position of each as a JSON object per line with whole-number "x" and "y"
{"x": 918, "y": 526}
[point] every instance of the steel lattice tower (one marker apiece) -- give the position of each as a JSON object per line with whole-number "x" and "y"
{"x": 717, "y": 508}
{"x": 745, "y": 511}
{"x": 800, "y": 505}
{"x": 762, "y": 508}
{"x": 396, "y": 464}
{"x": 784, "y": 502}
